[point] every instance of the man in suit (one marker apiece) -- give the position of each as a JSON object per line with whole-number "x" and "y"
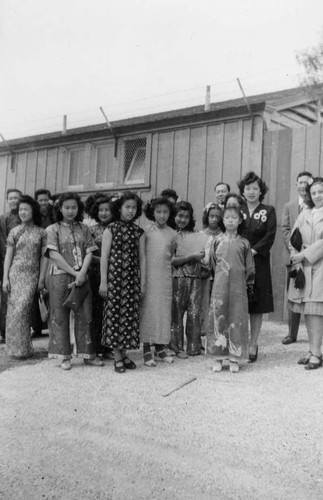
{"x": 290, "y": 213}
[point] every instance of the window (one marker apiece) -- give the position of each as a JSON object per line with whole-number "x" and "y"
{"x": 135, "y": 161}
{"x": 104, "y": 164}
{"x": 76, "y": 167}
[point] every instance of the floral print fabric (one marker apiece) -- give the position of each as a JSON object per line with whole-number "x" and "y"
{"x": 27, "y": 242}
{"x": 120, "y": 328}
{"x": 227, "y": 335}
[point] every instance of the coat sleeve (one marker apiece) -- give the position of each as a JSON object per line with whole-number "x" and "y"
{"x": 264, "y": 245}
{"x": 314, "y": 252}
{"x": 286, "y": 225}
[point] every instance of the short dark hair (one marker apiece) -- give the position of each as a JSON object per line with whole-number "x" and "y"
{"x": 239, "y": 198}
{"x": 249, "y": 178}
{"x": 301, "y": 174}
{"x": 69, "y": 196}
{"x": 90, "y": 200}
{"x": 238, "y": 211}
{"x": 13, "y": 190}
{"x": 94, "y": 210}
{"x": 222, "y": 183}
{"x": 206, "y": 211}
{"x": 169, "y": 193}
{"x": 117, "y": 204}
{"x": 187, "y": 207}
{"x": 153, "y": 203}
{"x": 39, "y": 192}
{"x": 29, "y": 200}
{"x": 308, "y": 198}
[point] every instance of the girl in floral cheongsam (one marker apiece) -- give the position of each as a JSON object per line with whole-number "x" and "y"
{"x": 234, "y": 271}
{"x": 123, "y": 279}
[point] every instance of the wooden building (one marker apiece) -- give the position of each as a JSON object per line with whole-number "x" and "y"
{"x": 190, "y": 150}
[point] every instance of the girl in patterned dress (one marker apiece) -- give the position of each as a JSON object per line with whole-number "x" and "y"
{"x": 69, "y": 246}
{"x": 155, "y": 319}
{"x": 211, "y": 216}
{"x": 24, "y": 271}
{"x": 234, "y": 272}
{"x": 123, "y": 278}
{"x": 100, "y": 212}
{"x": 186, "y": 288}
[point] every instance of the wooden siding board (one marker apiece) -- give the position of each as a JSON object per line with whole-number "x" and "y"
{"x": 154, "y": 163}
{"x": 321, "y": 152}
{"x": 41, "y": 169}
{"x": 31, "y": 168}
{"x": 180, "y": 164}
{"x": 252, "y": 150}
{"x": 232, "y": 153}
{"x": 165, "y": 161}
{"x": 51, "y": 169}
{"x": 21, "y": 164}
{"x": 297, "y": 160}
{"x": 214, "y": 160}
{"x": 5, "y": 162}
{"x": 312, "y": 149}
{"x": 196, "y": 180}
{"x": 61, "y": 171}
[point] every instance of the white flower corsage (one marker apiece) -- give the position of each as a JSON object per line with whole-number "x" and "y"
{"x": 310, "y": 181}
{"x": 244, "y": 215}
{"x": 257, "y": 216}
{"x": 263, "y": 212}
{"x": 263, "y": 218}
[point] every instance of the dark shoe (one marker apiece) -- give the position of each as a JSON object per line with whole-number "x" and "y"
{"x": 313, "y": 366}
{"x": 129, "y": 364}
{"x": 253, "y": 357}
{"x": 289, "y": 340}
{"x": 2, "y": 340}
{"x": 305, "y": 359}
{"x": 119, "y": 366}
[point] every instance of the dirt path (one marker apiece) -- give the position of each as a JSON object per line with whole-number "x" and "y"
{"x": 93, "y": 434}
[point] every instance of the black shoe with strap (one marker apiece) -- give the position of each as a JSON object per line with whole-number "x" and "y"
{"x": 314, "y": 365}
{"x": 289, "y": 340}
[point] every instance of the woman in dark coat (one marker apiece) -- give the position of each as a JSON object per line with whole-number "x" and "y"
{"x": 260, "y": 230}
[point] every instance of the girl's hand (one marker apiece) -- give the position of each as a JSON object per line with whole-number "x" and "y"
{"x": 103, "y": 290}
{"x": 41, "y": 285}
{"x": 198, "y": 255}
{"x": 6, "y": 286}
{"x": 80, "y": 278}
{"x": 296, "y": 259}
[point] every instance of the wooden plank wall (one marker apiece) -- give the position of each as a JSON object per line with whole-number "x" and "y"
{"x": 191, "y": 161}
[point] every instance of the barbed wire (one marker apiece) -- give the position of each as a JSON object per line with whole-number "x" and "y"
{"x": 153, "y": 104}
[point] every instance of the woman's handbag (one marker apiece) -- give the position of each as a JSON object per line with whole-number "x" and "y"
{"x": 76, "y": 296}
{"x": 44, "y": 312}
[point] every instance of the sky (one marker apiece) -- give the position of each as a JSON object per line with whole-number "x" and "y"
{"x": 136, "y": 57}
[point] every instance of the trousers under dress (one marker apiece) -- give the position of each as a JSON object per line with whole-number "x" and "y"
{"x": 73, "y": 241}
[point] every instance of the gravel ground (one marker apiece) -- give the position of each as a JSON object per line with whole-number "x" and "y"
{"x": 94, "y": 434}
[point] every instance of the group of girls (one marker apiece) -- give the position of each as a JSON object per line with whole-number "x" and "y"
{"x": 140, "y": 286}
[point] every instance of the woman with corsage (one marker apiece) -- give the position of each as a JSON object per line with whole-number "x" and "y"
{"x": 308, "y": 299}
{"x": 260, "y": 230}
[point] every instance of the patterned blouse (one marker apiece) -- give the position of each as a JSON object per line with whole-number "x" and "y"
{"x": 73, "y": 241}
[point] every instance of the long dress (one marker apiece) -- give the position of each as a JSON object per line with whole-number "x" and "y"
{"x": 120, "y": 326}
{"x": 155, "y": 318}
{"x": 260, "y": 231}
{"x": 97, "y": 301}
{"x": 27, "y": 241}
{"x": 227, "y": 335}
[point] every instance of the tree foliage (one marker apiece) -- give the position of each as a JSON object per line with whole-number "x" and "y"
{"x": 312, "y": 62}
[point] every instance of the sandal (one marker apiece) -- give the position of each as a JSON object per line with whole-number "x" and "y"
{"x": 305, "y": 359}
{"x": 119, "y": 366}
{"x": 149, "y": 360}
{"x": 234, "y": 366}
{"x": 313, "y": 366}
{"x": 217, "y": 368}
{"x": 162, "y": 355}
{"x": 129, "y": 364}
